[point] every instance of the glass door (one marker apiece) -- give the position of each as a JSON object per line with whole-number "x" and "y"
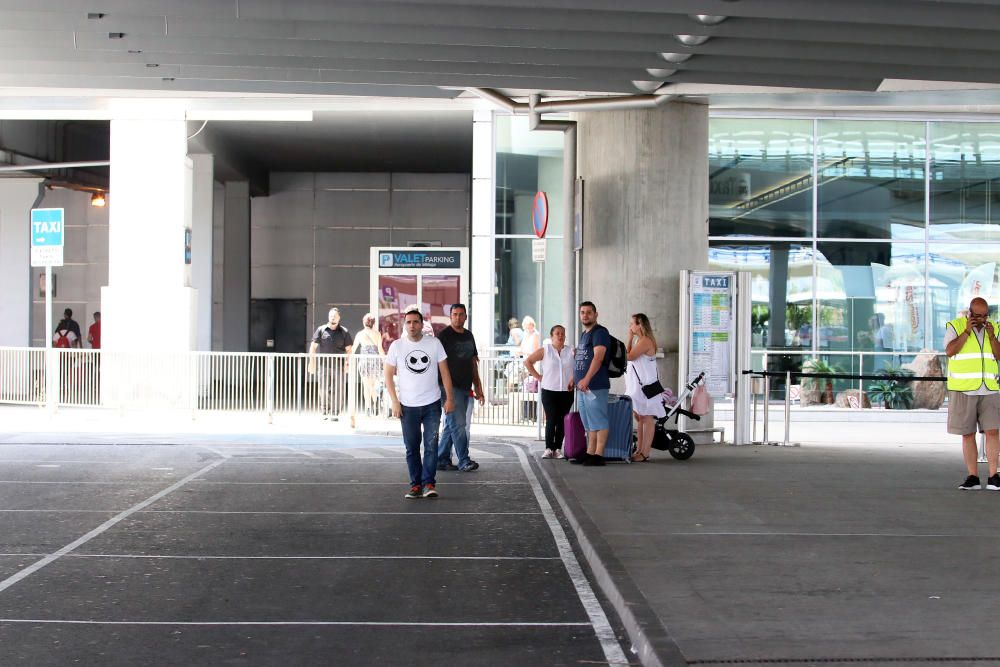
{"x": 395, "y": 295}
{"x": 437, "y": 293}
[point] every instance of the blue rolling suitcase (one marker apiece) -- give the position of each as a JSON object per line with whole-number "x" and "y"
{"x": 619, "y": 445}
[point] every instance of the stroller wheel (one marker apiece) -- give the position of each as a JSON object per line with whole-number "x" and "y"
{"x": 681, "y": 446}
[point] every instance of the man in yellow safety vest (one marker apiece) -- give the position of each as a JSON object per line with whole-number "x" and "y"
{"x": 973, "y": 391}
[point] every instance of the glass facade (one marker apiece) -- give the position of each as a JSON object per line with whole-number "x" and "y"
{"x": 526, "y": 163}
{"x": 861, "y": 235}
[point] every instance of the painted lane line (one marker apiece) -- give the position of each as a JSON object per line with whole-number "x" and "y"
{"x": 303, "y": 452}
{"x": 483, "y": 454}
{"x": 151, "y": 480}
{"x": 484, "y": 482}
{"x": 206, "y": 557}
{"x": 362, "y": 453}
{"x": 251, "y": 512}
{"x": 48, "y": 465}
{"x": 390, "y": 624}
{"x": 34, "y": 567}
{"x": 598, "y": 619}
{"x": 170, "y": 469}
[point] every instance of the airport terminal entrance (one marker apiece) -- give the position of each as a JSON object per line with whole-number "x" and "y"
{"x": 433, "y": 278}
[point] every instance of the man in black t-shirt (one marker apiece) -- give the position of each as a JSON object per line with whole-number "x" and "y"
{"x": 463, "y": 366}
{"x": 331, "y": 338}
{"x": 69, "y": 324}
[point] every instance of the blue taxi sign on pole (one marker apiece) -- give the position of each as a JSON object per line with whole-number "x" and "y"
{"x": 47, "y": 237}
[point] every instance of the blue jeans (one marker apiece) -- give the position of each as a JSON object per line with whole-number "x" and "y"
{"x": 593, "y": 409}
{"x": 456, "y": 429}
{"x": 428, "y": 418}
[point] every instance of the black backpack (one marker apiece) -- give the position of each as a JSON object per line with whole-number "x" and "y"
{"x": 616, "y": 358}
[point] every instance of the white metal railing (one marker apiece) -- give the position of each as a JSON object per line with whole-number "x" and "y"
{"x": 260, "y": 383}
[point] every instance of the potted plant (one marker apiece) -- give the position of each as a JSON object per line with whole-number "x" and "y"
{"x": 823, "y": 387}
{"x": 894, "y": 393}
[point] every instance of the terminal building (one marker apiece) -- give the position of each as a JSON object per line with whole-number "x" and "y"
{"x": 846, "y": 155}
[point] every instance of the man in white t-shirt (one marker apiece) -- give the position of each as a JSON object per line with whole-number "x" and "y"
{"x": 416, "y": 361}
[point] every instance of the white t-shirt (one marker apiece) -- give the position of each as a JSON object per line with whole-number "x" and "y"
{"x": 417, "y": 369}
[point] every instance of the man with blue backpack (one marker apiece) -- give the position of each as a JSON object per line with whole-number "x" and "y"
{"x": 596, "y": 352}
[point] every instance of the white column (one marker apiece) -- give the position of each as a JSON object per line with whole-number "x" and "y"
{"x": 202, "y": 206}
{"x": 16, "y": 197}
{"x": 481, "y": 315}
{"x": 147, "y": 304}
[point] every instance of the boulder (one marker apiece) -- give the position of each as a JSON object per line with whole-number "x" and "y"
{"x": 927, "y": 395}
{"x": 843, "y": 398}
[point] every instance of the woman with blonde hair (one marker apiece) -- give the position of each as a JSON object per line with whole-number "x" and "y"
{"x": 641, "y": 349}
{"x": 532, "y": 340}
{"x": 368, "y": 342}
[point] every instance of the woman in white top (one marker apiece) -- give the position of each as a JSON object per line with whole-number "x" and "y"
{"x": 369, "y": 343}
{"x": 556, "y": 382}
{"x": 532, "y": 340}
{"x": 641, "y": 348}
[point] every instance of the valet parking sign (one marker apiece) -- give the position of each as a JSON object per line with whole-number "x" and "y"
{"x": 47, "y": 236}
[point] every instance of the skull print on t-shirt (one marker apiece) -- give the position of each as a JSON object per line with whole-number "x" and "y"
{"x": 417, "y": 361}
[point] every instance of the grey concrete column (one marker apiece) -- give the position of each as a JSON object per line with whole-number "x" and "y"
{"x": 645, "y": 214}
{"x": 779, "y": 295}
{"x": 236, "y": 268}
{"x": 16, "y": 198}
{"x": 202, "y": 192}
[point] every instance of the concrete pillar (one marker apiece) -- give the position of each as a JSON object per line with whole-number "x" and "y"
{"x": 645, "y": 214}
{"x": 236, "y": 268}
{"x": 16, "y": 198}
{"x": 202, "y": 206}
{"x": 148, "y": 303}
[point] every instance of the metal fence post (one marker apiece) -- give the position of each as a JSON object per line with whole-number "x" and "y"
{"x": 269, "y": 389}
{"x": 788, "y": 405}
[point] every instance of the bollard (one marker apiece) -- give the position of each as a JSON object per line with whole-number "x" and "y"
{"x": 753, "y": 392}
{"x": 788, "y": 405}
{"x": 767, "y": 399}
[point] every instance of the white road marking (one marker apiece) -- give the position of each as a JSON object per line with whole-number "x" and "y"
{"x": 48, "y": 465}
{"x": 483, "y": 454}
{"x": 598, "y": 619}
{"x": 34, "y": 567}
{"x": 303, "y": 452}
{"x": 303, "y": 513}
{"x": 362, "y": 453}
{"x": 403, "y": 624}
{"x": 197, "y": 557}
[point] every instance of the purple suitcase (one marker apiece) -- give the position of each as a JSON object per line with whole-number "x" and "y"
{"x": 619, "y": 428}
{"x": 575, "y": 442}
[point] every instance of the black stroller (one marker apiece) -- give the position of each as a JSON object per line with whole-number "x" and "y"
{"x": 679, "y": 444}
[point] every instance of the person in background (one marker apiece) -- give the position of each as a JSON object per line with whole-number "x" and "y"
{"x": 514, "y": 333}
{"x": 369, "y": 343}
{"x": 531, "y": 340}
{"x": 463, "y": 366}
{"x": 590, "y": 374}
{"x": 973, "y": 391}
{"x": 419, "y": 361}
{"x": 94, "y": 332}
{"x": 556, "y": 382}
{"x": 330, "y": 338}
{"x": 67, "y": 323}
{"x": 641, "y": 349}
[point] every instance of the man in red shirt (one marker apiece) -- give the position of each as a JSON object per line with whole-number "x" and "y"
{"x": 94, "y": 333}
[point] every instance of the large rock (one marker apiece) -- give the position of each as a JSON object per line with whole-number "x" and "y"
{"x": 843, "y": 398}
{"x": 927, "y": 395}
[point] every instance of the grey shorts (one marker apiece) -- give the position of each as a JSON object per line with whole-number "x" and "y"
{"x": 965, "y": 413}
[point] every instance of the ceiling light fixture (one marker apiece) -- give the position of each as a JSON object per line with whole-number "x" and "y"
{"x": 660, "y": 73}
{"x": 647, "y": 86}
{"x": 708, "y": 19}
{"x": 93, "y": 16}
{"x": 116, "y": 35}
{"x": 692, "y": 40}
{"x": 98, "y": 199}
{"x": 675, "y": 57}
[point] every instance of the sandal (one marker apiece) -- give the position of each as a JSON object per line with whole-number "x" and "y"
{"x": 642, "y": 458}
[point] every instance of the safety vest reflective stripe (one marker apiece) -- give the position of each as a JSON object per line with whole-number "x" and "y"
{"x": 974, "y": 365}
